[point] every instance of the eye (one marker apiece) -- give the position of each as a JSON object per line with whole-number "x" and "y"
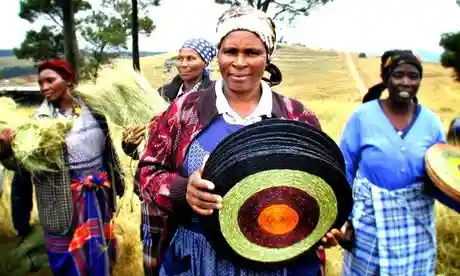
{"x": 414, "y": 76}
{"x": 230, "y": 51}
{"x": 253, "y": 52}
{"x": 397, "y": 75}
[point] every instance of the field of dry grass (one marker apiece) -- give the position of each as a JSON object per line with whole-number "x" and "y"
{"x": 322, "y": 81}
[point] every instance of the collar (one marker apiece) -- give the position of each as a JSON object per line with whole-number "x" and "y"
{"x": 263, "y": 108}
{"x": 48, "y": 110}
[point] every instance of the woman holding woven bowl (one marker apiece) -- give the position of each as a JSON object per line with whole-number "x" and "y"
{"x": 170, "y": 168}
{"x": 75, "y": 203}
{"x": 384, "y": 144}
{"x": 193, "y": 59}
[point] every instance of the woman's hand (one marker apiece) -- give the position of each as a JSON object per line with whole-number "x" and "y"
{"x": 133, "y": 134}
{"x": 333, "y": 237}
{"x": 6, "y": 139}
{"x": 198, "y": 196}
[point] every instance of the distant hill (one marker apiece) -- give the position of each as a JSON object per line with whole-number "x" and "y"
{"x": 10, "y": 67}
{"x": 6, "y": 53}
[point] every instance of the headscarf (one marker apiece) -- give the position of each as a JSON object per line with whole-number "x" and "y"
{"x": 248, "y": 19}
{"x": 389, "y": 61}
{"x": 205, "y": 49}
{"x": 61, "y": 67}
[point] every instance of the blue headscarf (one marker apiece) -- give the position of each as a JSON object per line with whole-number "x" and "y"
{"x": 205, "y": 49}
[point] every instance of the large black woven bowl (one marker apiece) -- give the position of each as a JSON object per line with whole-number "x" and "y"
{"x": 284, "y": 187}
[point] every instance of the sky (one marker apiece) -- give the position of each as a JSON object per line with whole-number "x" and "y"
{"x": 352, "y": 25}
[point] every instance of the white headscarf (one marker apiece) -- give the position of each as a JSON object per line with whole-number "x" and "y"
{"x": 249, "y": 19}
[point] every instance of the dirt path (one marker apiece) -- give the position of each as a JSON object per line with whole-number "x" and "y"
{"x": 354, "y": 73}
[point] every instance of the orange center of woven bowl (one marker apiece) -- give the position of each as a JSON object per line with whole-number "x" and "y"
{"x": 278, "y": 219}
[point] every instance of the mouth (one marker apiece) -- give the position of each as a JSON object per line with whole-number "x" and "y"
{"x": 238, "y": 77}
{"x": 404, "y": 94}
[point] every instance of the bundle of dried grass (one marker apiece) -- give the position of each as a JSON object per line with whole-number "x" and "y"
{"x": 37, "y": 144}
{"x": 122, "y": 95}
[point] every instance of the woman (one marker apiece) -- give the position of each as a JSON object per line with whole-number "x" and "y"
{"x": 194, "y": 56}
{"x": 193, "y": 61}
{"x": 170, "y": 168}
{"x": 384, "y": 143}
{"x": 75, "y": 204}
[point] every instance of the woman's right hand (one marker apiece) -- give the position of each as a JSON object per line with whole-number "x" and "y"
{"x": 198, "y": 196}
{"x": 6, "y": 138}
{"x": 133, "y": 134}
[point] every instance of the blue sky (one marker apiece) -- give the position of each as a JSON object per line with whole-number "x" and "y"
{"x": 354, "y": 25}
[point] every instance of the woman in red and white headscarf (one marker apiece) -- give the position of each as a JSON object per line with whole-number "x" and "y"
{"x": 76, "y": 203}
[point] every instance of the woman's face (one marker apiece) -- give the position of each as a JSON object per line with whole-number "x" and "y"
{"x": 242, "y": 59}
{"x": 404, "y": 83}
{"x": 52, "y": 85}
{"x": 190, "y": 64}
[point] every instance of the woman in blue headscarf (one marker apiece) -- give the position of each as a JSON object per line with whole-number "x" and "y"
{"x": 192, "y": 63}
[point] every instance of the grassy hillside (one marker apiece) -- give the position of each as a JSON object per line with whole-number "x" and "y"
{"x": 323, "y": 82}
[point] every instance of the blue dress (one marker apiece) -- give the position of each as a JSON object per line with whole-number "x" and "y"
{"x": 189, "y": 253}
{"x": 393, "y": 216}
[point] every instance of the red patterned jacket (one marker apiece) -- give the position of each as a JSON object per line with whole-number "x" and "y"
{"x": 160, "y": 165}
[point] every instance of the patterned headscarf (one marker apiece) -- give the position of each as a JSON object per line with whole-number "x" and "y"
{"x": 249, "y": 19}
{"x": 204, "y": 48}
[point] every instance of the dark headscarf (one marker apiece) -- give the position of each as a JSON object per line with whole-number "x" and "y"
{"x": 61, "y": 67}
{"x": 389, "y": 61}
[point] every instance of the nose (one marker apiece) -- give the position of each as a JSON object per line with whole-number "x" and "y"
{"x": 182, "y": 63}
{"x": 240, "y": 61}
{"x": 45, "y": 86}
{"x": 406, "y": 81}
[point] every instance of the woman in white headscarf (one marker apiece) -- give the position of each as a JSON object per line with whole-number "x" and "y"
{"x": 170, "y": 168}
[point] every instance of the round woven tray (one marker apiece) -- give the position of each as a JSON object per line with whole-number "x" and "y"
{"x": 442, "y": 162}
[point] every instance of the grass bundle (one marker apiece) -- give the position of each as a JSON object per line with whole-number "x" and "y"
{"x": 122, "y": 95}
{"x": 37, "y": 144}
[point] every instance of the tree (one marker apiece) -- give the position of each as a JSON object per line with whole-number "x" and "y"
{"x": 70, "y": 36}
{"x": 135, "y": 36}
{"x": 107, "y": 31}
{"x": 135, "y": 28}
{"x": 44, "y": 44}
{"x": 280, "y": 8}
{"x": 48, "y": 42}
{"x": 451, "y": 56}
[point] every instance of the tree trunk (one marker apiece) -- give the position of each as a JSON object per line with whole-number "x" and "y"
{"x": 135, "y": 36}
{"x": 70, "y": 37}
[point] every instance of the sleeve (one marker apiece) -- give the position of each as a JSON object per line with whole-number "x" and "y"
{"x": 297, "y": 111}
{"x": 350, "y": 145}
{"x": 130, "y": 150}
{"x": 157, "y": 178}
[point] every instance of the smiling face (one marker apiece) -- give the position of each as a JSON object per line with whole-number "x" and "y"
{"x": 403, "y": 83}
{"x": 190, "y": 64}
{"x": 242, "y": 60}
{"x": 52, "y": 85}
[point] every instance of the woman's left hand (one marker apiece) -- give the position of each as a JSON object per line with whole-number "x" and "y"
{"x": 333, "y": 237}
